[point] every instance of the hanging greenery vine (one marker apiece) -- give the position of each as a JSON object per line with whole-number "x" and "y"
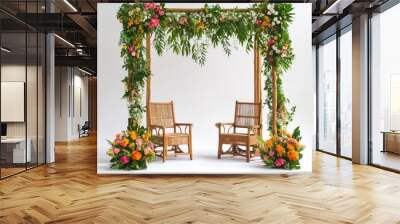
{"x": 191, "y": 33}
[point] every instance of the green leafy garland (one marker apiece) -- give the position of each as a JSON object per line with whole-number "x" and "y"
{"x": 192, "y": 32}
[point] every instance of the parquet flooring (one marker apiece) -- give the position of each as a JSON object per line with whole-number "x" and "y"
{"x": 70, "y": 191}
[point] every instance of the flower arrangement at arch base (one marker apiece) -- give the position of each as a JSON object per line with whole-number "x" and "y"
{"x": 283, "y": 151}
{"x": 131, "y": 150}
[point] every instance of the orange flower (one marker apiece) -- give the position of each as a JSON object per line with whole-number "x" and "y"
{"x": 291, "y": 147}
{"x": 279, "y": 149}
{"x": 268, "y": 144}
{"x": 293, "y": 155}
{"x": 136, "y": 155}
{"x": 124, "y": 142}
{"x": 133, "y": 135}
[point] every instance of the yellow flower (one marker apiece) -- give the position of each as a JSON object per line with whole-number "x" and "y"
{"x": 130, "y": 22}
{"x": 200, "y": 25}
{"x": 133, "y": 135}
{"x": 266, "y": 22}
{"x": 140, "y": 29}
{"x": 146, "y": 136}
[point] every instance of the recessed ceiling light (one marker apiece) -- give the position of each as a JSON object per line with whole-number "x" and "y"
{"x": 84, "y": 71}
{"x": 5, "y": 50}
{"x": 70, "y": 5}
{"x": 65, "y": 41}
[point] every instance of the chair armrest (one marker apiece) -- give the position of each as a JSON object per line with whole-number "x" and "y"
{"x": 183, "y": 124}
{"x": 157, "y": 129}
{"x": 224, "y": 127}
{"x": 252, "y": 129}
{"x": 184, "y": 128}
{"x": 220, "y": 124}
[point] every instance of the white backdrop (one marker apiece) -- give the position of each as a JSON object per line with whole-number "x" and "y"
{"x": 203, "y": 95}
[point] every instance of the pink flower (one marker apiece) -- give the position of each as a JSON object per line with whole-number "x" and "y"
{"x": 271, "y": 42}
{"x": 131, "y": 49}
{"x": 151, "y": 145}
{"x": 149, "y": 6}
{"x": 139, "y": 142}
{"x": 279, "y": 162}
{"x": 154, "y": 22}
{"x": 257, "y": 153}
{"x": 183, "y": 20}
{"x": 147, "y": 150}
{"x": 159, "y": 11}
{"x": 271, "y": 153}
{"x": 124, "y": 159}
{"x": 116, "y": 150}
{"x": 258, "y": 22}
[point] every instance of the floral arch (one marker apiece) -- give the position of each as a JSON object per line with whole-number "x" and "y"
{"x": 189, "y": 32}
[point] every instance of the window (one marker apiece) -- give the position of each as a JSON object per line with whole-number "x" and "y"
{"x": 346, "y": 93}
{"x": 385, "y": 89}
{"x": 327, "y": 96}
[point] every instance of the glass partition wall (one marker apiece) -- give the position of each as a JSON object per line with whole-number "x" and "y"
{"x": 385, "y": 90}
{"x": 327, "y": 95}
{"x": 334, "y": 80}
{"x": 22, "y": 66}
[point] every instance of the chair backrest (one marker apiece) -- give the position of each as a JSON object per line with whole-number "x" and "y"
{"x": 162, "y": 114}
{"x": 247, "y": 114}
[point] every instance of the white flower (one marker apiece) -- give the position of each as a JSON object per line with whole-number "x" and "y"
{"x": 278, "y": 22}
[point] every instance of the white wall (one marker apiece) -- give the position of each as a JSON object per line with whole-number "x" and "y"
{"x": 202, "y": 95}
{"x": 70, "y": 83}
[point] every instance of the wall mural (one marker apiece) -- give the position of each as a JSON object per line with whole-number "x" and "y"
{"x": 189, "y": 32}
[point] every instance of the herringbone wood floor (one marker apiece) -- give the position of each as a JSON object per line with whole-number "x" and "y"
{"x": 70, "y": 191}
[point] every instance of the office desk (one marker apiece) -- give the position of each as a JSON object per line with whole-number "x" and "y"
{"x": 13, "y": 150}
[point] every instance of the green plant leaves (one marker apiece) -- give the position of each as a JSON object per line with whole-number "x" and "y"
{"x": 191, "y": 33}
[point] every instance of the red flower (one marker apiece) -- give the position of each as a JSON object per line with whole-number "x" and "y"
{"x": 154, "y": 22}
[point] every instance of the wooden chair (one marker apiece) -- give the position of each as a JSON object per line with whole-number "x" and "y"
{"x": 165, "y": 132}
{"x": 242, "y": 132}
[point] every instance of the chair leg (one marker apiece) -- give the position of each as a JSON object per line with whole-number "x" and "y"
{"x": 248, "y": 152}
{"x": 165, "y": 152}
{"x": 219, "y": 149}
{"x": 190, "y": 150}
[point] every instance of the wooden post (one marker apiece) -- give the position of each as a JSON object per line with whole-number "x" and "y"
{"x": 274, "y": 102}
{"x": 148, "y": 82}
{"x": 257, "y": 79}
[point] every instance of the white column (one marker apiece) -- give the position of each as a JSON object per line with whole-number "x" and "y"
{"x": 50, "y": 100}
{"x": 360, "y": 90}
